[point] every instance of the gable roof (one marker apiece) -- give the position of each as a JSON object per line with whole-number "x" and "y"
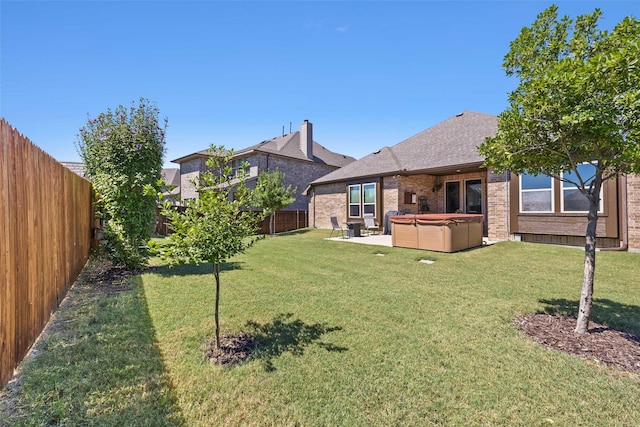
{"x": 289, "y": 146}
{"x": 449, "y": 144}
{"x": 286, "y": 146}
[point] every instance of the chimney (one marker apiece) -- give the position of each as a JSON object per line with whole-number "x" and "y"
{"x": 306, "y": 139}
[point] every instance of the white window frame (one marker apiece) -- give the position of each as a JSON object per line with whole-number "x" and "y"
{"x": 361, "y": 203}
{"x": 536, "y": 190}
{"x": 236, "y": 166}
{"x": 375, "y": 198}
{"x": 574, "y": 188}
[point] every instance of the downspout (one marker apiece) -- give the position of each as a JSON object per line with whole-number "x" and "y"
{"x": 507, "y": 177}
{"x": 624, "y": 242}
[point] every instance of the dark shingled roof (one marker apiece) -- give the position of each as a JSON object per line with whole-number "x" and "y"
{"x": 287, "y": 146}
{"x": 451, "y": 143}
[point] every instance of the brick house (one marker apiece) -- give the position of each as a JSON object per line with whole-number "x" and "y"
{"x": 170, "y": 175}
{"x": 297, "y": 155}
{"x": 439, "y": 170}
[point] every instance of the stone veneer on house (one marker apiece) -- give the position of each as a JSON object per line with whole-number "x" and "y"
{"x": 498, "y": 206}
{"x": 633, "y": 211}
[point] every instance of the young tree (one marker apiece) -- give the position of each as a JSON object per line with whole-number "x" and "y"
{"x": 123, "y": 152}
{"x": 217, "y": 225}
{"x": 271, "y": 194}
{"x": 577, "y": 103}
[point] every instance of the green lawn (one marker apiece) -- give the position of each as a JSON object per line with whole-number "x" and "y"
{"x": 349, "y": 337}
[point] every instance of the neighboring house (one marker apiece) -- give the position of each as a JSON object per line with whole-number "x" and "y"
{"x": 170, "y": 175}
{"x": 297, "y": 155}
{"x": 439, "y": 170}
{"x": 76, "y": 167}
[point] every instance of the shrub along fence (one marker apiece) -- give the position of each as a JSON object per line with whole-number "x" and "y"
{"x": 285, "y": 221}
{"x": 46, "y": 221}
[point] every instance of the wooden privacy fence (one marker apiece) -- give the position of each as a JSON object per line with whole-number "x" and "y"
{"x": 285, "y": 221}
{"x": 46, "y": 220}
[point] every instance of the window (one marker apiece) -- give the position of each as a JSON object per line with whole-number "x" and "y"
{"x": 473, "y": 196}
{"x": 452, "y": 196}
{"x": 572, "y": 199}
{"x": 369, "y": 199}
{"x": 362, "y": 199}
{"x": 458, "y": 199}
{"x": 354, "y": 201}
{"x": 237, "y": 165}
{"x": 536, "y": 193}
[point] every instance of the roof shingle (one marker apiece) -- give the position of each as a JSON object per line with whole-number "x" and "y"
{"x": 287, "y": 146}
{"x": 450, "y": 143}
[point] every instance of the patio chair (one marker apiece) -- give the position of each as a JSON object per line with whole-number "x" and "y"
{"x": 336, "y": 227}
{"x": 370, "y": 225}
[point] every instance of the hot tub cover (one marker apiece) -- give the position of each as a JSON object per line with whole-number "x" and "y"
{"x": 436, "y": 219}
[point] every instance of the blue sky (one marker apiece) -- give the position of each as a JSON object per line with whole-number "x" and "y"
{"x": 367, "y": 74}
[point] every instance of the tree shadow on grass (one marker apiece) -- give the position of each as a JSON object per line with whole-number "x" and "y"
{"x": 618, "y": 316}
{"x": 193, "y": 269}
{"x": 287, "y": 335}
{"x": 97, "y": 363}
{"x": 294, "y": 232}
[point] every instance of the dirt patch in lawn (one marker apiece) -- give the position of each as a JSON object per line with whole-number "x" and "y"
{"x": 601, "y": 344}
{"x": 233, "y": 349}
{"x": 104, "y": 276}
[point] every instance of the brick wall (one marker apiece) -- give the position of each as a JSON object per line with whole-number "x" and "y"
{"x": 421, "y": 185}
{"x": 633, "y": 211}
{"x": 332, "y": 199}
{"x": 298, "y": 173}
{"x": 497, "y": 206}
{"x": 390, "y": 195}
{"x": 190, "y": 171}
{"x": 327, "y": 200}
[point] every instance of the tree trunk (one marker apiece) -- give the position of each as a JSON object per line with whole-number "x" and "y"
{"x": 216, "y": 273}
{"x": 272, "y": 223}
{"x": 586, "y": 296}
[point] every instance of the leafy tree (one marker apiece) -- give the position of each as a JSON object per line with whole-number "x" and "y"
{"x": 215, "y": 226}
{"x": 271, "y": 194}
{"x": 578, "y": 101}
{"x": 123, "y": 152}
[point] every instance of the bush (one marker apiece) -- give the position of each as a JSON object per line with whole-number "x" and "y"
{"x": 123, "y": 152}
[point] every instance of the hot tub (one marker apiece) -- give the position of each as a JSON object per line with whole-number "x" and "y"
{"x": 437, "y": 232}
